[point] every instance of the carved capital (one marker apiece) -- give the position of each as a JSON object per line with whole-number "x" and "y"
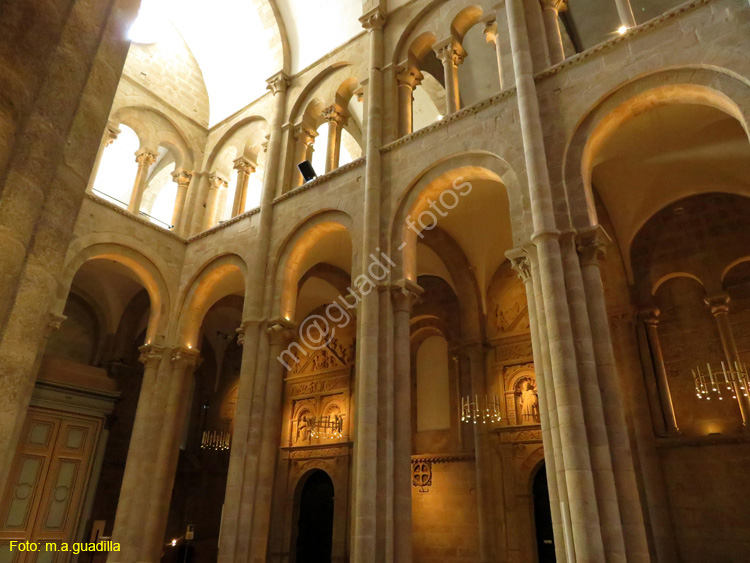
{"x": 408, "y": 75}
{"x": 448, "y": 50}
{"x": 243, "y": 329}
{"x": 279, "y": 82}
{"x": 145, "y": 157}
{"x": 217, "y": 180}
{"x": 280, "y": 332}
{"x": 519, "y": 261}
{"x": 650, "y": 317}
{"x": 719, "y": 303}
{"x": 245, "y": 165}
{"x": 182, "y": 177}
{"x": 490, "y": 31}
{"x": 183, "y": 358}
{"x": 111, "y": 134}
{"x": 556, "y": 5}
{"x": 150, "y": 355}
{"x": 335, "y": 114}
{"x": 54, "y": 321}
{"x": 305, "y": 135}
{"x": 592, "y": 245}
{"x": 373, "y": 20}
{"x": 404, "y": 294}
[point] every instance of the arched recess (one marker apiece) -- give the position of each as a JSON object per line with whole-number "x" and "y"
{"x": 459, "y": 173}
{"x": 149, "y": 274}
{"x": 324, "y": 237}
{"x": 709, "y": 87}
{"x": 218, "y": 278}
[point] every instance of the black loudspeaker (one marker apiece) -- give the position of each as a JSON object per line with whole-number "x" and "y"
{"x": 307, "y": 171}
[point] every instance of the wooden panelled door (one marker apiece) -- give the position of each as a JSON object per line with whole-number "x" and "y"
{"x": 49, "y": 479}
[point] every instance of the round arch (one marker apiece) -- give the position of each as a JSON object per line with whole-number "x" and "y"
{"x": 213, "y": 280}
{"x": 717, "y": 88}
{"x": 141, "y": 265}
{"x": 289, "y": 261}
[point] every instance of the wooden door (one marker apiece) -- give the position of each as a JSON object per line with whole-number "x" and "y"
{"x": 49, "y": 479}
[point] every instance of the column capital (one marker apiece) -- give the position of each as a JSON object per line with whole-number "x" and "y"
{"x": 113, "y": 130}
{"x": 490, "y": 31}
{"x": 650, "y": 316}
{"x": 54, "y": 320}
{"x": 374, "y": 19}
{"x": 556, "y": 5}
{"x": 408, "y": 75}
{"x": 280, "y": 331}
{"x": 449, "y": 50}
{"x": 592, "y": 244}
{"x": 718, "y": 303}
{"x": 336, "y": 114}
{"x": 279, "y": 82}
{"x": 404, "y": 294}
{"x": 244, "y": 164}
{"x": 305, "y": 135}
{"x": 182, "y": 177}
{"x": 217, "y": 179}
{"x": 150, "y": 355}
{"x": 185, "y": 357}
{"x": 519, "y": 261}
{"x": 145, "y": 157}
{"x": 244, "y": 327}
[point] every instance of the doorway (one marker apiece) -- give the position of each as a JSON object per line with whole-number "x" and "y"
{"x": 545, "y": 543}
{"x": 315, "y": 522}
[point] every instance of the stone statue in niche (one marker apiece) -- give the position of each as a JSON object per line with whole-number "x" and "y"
{"x": 528, "y": 401}
{"x": 303, "y": 429}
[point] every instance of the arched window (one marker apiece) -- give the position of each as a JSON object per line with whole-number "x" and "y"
{"x": 114, "y": 179}
{"x": 433, "y": 385}
{"x": 161, "y": 190}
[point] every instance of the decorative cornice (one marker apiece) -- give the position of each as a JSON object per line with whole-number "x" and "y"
{"x": 124, "y": 212}
{"x": 223, "y": 225}
{"x": 476, "y": 108}
{"x": 320, "y": 179}
{"x": 442, "y": 458}
{"x": 610, "y": 43}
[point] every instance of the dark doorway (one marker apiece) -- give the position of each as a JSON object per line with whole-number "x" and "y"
{"x": 545, "y": 543}
{"x": 315, "y": 523}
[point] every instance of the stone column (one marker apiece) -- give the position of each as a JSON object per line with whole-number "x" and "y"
{"x": 719, "y": 305}
{"x": 404, "y": 294}
{"x": 585, "y": 523}
{"x": 365, "y": 541}
{"x": 280, "y": 334}
{"x": 110, "y": 136}
{"x": 127, "y": 523}
{"x": 216, "y": 184}
{"x": 625, "y": 11}
{"x": 446, "y": 51}
{"x": 145, "y": 158}
{"x": 485, "y": 494}
{"x": 182, "y": 178}
{"x": 490, "y": 35}
{"x": 592, "y": 248}
{"x": 244, "y": 168}
{"x": 304, "y": 137}
{"x": 550, "y": 11}
{"x": 522, "y": 264}
{"x": 174, "y": 415}
{"x": 650, "y": 318}
{"x": 336, "y": 119}
{"x": 408, "y": 78}
{"x": 234, "y": 543}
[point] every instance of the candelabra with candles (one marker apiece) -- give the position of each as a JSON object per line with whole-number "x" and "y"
{"x": 216, "y": 440}
{"x": 486, "y": 410}
{"x": 711, "y": 382}
{"x": 326, "y": 427}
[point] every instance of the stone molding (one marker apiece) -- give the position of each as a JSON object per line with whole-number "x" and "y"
{"x": 126, "y": 213}
{"x": 442, "y": 458}
{"x": 320, "y": 179}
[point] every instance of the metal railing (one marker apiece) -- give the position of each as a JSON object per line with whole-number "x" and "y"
{"x": 140, "y": 213}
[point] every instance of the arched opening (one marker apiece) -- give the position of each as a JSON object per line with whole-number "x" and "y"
{"x": 114, "y": 178}
{"x": 314, "y": 527}
{"x": 545, "y": 543}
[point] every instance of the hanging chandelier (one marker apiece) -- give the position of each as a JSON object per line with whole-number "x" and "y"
{"x": 487, "y": 410}
{"x": 717, "y": 383}
{"x": 216, "y": 440}
{"x": 326, "y": 427}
